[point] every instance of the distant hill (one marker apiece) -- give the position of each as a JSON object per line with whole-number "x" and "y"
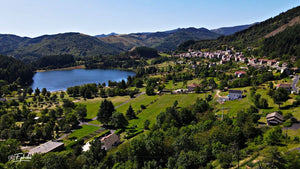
{"x": 78, "y": 44}
{"x": 67, "y": 43}
{"x": 231, "y": 30}
{"x": 105, "y": 35}
{"x": 257, "y": 35}
{"x": 162, "y": 41}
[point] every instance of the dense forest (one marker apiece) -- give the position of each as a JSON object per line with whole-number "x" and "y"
{"x": 13, "y": 70}
{"x": 254, "y": 36}
{"x": 284, "y": 44}
{"x": 56, "y": 61}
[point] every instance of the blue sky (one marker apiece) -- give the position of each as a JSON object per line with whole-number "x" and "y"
{"x": 38, "y": 17}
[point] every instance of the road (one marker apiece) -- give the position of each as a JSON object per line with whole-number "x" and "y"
{"x": 294, "y": 84}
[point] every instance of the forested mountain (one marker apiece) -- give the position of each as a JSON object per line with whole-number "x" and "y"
{"x": 78, "y": 44}
{"x": 254, "y": 36}
{"x": 162, "y": 41}
{"x": 231, "y": 30}
{"x": 105, "y": 35}
{"x": 12, "y": 70}
{"x": 68, "y": 43}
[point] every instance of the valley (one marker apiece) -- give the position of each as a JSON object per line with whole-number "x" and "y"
{"x": 185, "y": 98}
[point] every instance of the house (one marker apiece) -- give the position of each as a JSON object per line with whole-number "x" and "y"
{"x": 286, "y": 86}
{"x": 271, "y": 62}
{"x": 235, "y": 94}
{"x": 179, "y": 91}
{"x": 110, "y": 141}
{"x": 222, "y": 62}
{"x": 243, "y": 59}
{"x": 252, "y": 61}
{"x": 284, "y": 64}
{"x": 274, "y": 118}
{"x": 192, "y": 87}
{"x": 240, "y": 73}
{"x": 47, "y": 147}
{"x": 262, "y": 61}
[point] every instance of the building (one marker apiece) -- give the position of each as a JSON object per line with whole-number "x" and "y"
{"x": 240, "y": 73}
{"x": 110, "y": 141}
{"x": 262, "y": 61}
{"x": 47, "y": 147}
{"x": 286, "y": 86}
{"x": 192, "y": 87}
{"x": 271, "y": 62}
{"x": 252, "y": 61}
{"x": 274, "y": 118}
{"x": 235, "y": 94}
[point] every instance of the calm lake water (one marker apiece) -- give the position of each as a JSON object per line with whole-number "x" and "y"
{"x": 62, "y": 79}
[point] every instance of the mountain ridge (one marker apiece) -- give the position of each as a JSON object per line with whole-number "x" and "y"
{"x": 80, "y": 44}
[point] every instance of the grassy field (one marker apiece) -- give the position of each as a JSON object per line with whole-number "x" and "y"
{"x": 160, "y": 105}
{"x": 93, "y": 105}
{"x": 84, "y": 131}
{"x": 137, "y": 102}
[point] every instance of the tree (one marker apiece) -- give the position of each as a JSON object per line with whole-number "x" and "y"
{"x": 263, "y": 103}
{"x": 130, "y": 114}
{"x": 96, "y": 153}
{"x": 62, "y": 94}
{"x": 44, "y": 91}
{"x": 68, "y": 104}
{"x": 146, "y": 124}
{"x": 280, "y": 96}
{"x": 72, "y": 120}
{"x": 105, "y": 112}
{"x": 149, "y": 90}
{"x": 273, "y": 136}
{"x": 29, "y": 90}
{"x": 118, "y": 120}
{"x": 102, "y": 93}
{"x": 37, "y": 92}
{"x": 271, "y": 85}
{"x": 81, "y": 111}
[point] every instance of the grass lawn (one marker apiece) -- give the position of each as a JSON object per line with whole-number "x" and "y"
{"x": 164, "y": 54}
{"x": 137, "y": 102}
{"x": 84, "y": 131}
{"x": 177, "y": 85}
{"x": 93, "y": 105}
{"x": 232, "y": 107}
{"x": 161, "y": 104}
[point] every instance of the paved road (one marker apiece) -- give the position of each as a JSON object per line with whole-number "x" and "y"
{"x": 294, "y": 84}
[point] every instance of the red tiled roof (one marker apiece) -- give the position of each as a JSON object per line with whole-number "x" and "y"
{"x": 284, "y": 85}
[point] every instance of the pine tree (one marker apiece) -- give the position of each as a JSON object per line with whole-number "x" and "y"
{"x": 105, "y": 112}
{"x": 130, "y": 114}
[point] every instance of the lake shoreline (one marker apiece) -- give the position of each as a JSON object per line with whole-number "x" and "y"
{"x": 60, "y": 80}
{"x": 80, "y": 67}
{"x": 65, "y": 68}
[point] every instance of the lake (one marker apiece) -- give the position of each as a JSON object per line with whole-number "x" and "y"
{"x": 62, "y": 79}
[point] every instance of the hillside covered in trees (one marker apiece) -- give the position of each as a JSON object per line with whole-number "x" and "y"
{"x": 281, "y": 30}
{"x": 12, "y": 70}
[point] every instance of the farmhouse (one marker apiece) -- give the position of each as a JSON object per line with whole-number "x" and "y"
{"x": 271, "y": 62}
{"x": 274, "y": 118}
{"x": 240, "y": 73}
{"x": 47, "y": 147}
{"x": 110, "y": 141}
{"x": 286, "y": 86}
{"x": 192, "y": 87}
{"x": 235, "y": 94}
